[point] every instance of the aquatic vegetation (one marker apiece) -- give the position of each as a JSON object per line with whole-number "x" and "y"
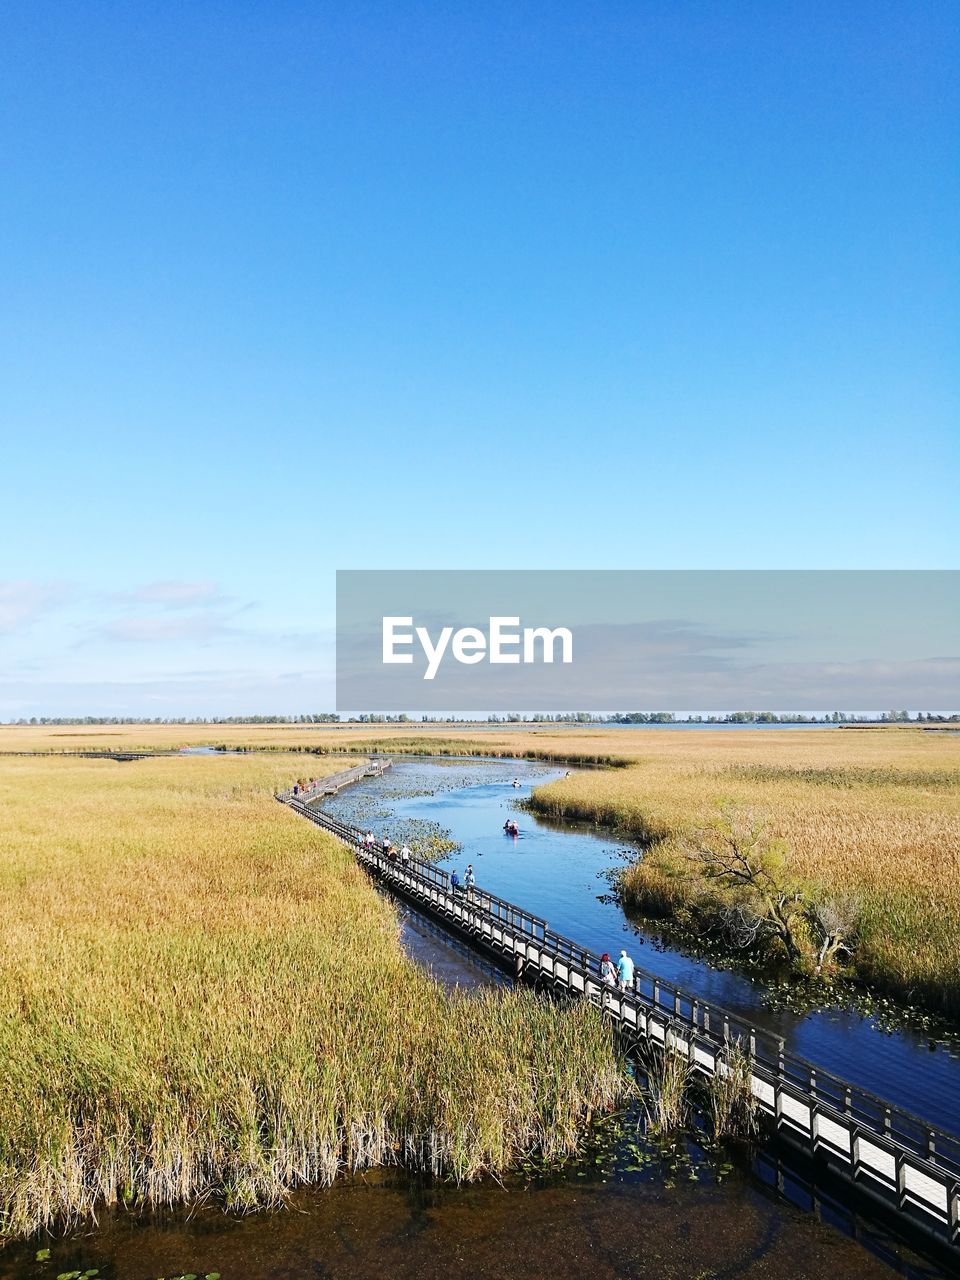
{"x": 850, "y": 777}
{"x": 343, "y": 740}
{"x": 43, "y": 1255}
{"x": 427, "y": 840}
{"x": 734, "y": 1110}
{"x": 679, "y": 1100}
{"x": 202, "y": 994}
{"x": 668, "y": 1078}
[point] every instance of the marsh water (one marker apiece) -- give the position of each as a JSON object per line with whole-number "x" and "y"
{"x": 625, "y": 1207}
{"x": 623, "y": 1219}
{"x": 562, "y": 874}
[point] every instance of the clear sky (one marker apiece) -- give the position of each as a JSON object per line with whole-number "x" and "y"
{"x": 297, "y": 286}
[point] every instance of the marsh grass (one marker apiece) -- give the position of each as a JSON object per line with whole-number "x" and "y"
{"x": 734, "y": 1110}
{"x": 851, "y": 777}
{"x": 201, "y": 994}
{"x": 676, "y": 1099}
{"x": 871, "y": 818}
{"x": 871, "y": 813}
{"x": 666, "y": 1096}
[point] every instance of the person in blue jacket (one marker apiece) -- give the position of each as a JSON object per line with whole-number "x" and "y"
{"x": 625, "y": 972}
{"x": 454, "y": 882}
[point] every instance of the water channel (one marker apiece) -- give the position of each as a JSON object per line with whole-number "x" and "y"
{"x": 561, "y": 874}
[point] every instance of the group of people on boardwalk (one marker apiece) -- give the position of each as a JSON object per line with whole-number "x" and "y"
{"x": 403, "y": 856}
{"x": 619, "y": 974}
{"x": 304, "y": 786}
{"x": 387, "y": 848}
{"x": 468, "y": 882}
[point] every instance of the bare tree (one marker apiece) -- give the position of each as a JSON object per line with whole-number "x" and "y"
{"x": 834, "y": 924}
{"x": 758, "y": 898}
{"x": 744, "y": 869}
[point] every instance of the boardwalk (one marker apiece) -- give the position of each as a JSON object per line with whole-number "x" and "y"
{"x": 887, "y": 1152}
{"x": 335, "y": 782}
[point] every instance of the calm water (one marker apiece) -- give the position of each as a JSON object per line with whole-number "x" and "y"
{"x": 559, "y": 874}
{"x": 668, "y": 1224}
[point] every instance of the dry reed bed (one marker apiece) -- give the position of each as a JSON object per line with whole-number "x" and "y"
{"x": 872, "y": 812}
{"x": 875, "y": 815}
{"x": 199, "y": 993}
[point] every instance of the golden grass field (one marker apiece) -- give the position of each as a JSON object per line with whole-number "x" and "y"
{"x": 870, "y": 812}
{"x": 201, "y": 992}
{"x": 399, "y": 739}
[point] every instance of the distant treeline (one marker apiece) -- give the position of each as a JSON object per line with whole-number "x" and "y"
{"x": 561, "y": 717}
{"x": 323, "y": 717}
{"x": 771, "y": 717}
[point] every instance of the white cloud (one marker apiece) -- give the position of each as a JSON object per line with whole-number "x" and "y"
{"x": 164, "y": 628}
{"x": 24, "y": 601}
{"x": 174, "y": 594}
{"x": 221, "y": 693}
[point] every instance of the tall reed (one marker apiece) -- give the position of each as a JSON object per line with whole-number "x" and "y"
{"x": 870, "y": 814}
{"x": 734, "y": 1109}
{"x": 668, "y": 1078}
{"x": 201, "y": 993}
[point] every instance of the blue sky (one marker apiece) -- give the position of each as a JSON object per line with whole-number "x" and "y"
{"x": 297, "y": 287}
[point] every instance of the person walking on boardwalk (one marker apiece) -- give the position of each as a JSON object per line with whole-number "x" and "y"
{"x": 368, "y": 841}
{"x": 405, "y": 855}
{"x": 386, "y": 844}
{"x": 469, "y": 879}
{"x": 454, "y": 882}
{"x": 608, "y": 970}
{"x": 625, "y": 972}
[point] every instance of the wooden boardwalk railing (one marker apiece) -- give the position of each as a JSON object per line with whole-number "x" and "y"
{"x": 335, "y": 782}
{"x": 892, "y": 1155}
